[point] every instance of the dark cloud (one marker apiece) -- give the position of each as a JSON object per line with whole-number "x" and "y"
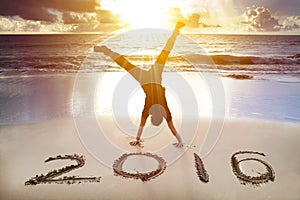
{"x": 26, "y": 11}
{"x": 55, "y": 16}
{"x": 39, "y": 9}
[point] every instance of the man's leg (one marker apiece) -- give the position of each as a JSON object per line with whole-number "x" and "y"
{"x": 162, "y": 57}
{"x": 118, "y": 58}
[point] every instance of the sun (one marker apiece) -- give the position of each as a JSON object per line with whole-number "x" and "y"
{"x": 139, "y": 13}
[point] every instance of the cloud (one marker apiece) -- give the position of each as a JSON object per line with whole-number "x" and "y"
{"x": 39, "y": 10}
{"x": 78, "y": 18}
{"x": 290, "y": 23}
{"x": 192, "y": 20}
{"x": 76, "y": 15}
{"x": 102, "y": 20}
{"x": 261, "y": 19}
{"x": 287, "y": 8}
{"x": 17, "y": 24}
{"x": 87, "y": 15}
{"x": 175, "y": 14}
{"x": 106, "y": 16}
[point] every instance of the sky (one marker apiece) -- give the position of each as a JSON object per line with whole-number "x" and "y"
{"x": 203, "y": 16}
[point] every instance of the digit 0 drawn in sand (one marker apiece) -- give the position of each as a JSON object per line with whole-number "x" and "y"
{"x": 49, "y": 177}
{"x": 244, "y": 179}
{"x": 200, "y": 170}
{"x": 146, "y": 176}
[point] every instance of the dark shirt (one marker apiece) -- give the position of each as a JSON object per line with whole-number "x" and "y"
{"x": 151, "y": 83}
{"x": 155, "y": 94}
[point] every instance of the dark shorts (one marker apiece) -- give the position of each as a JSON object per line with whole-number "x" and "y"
{"x": 155, "y": 94}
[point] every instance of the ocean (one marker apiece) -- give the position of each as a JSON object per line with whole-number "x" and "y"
{"x": 253, "y": 55}
{"x": 35, "y": 83}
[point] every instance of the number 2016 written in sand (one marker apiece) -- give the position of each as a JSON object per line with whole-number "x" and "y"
{"x": 51, "y": 176}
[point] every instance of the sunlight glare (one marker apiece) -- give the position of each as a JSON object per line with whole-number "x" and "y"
{"x": 139, "y": 13}
{"x": 160, "y": 13}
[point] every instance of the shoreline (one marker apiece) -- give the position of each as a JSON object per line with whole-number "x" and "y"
{"x": 49, "y": 96}
{"x": 242, "y": 76}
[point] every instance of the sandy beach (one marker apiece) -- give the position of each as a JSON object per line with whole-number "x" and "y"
{"x": 25, "y": 147}
{"x": 47, "y": 127}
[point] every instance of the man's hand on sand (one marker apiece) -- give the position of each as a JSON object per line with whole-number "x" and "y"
{"x": 178, "y": 145}
{"x": 136, "y": 143}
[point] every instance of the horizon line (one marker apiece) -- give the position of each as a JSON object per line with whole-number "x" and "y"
{"x": 184, "y": 33}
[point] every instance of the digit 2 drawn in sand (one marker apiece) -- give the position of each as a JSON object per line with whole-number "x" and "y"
{"x": 49, "y": 177}
{"x": 269, "y": 175}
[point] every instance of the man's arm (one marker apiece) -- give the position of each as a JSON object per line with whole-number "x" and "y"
{"x": 139, "y": 133}
{"x": 179, "y": 143}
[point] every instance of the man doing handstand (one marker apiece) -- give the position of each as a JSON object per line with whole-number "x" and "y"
{"x": 150, "y": 80}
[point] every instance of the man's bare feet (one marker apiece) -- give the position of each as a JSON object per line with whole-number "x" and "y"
{"x": 179, "y": 25}
{"x": 101, "y": 49}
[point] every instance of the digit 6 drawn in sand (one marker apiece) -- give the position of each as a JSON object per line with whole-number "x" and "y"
{"x": 49, "y": 177}
{"x": 255, "y": 180}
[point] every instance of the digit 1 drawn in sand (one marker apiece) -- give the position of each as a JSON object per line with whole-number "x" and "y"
{"x": 49, "y": 177}
{"x": 201, "y": 172}
{"x": 244, "y": 179}
{"x": 146, "y": 176}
